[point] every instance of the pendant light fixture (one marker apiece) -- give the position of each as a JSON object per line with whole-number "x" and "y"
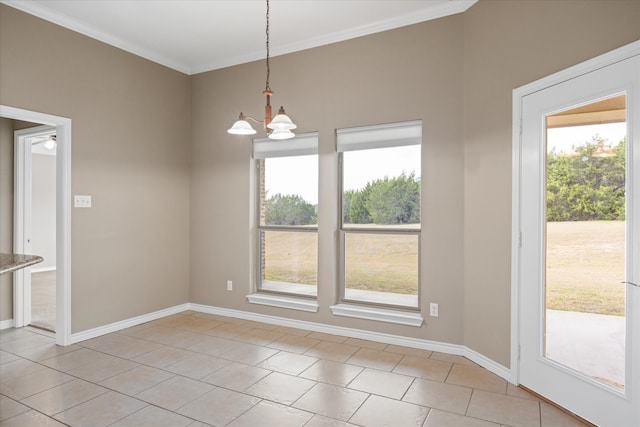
{"x": 278, "y": 127}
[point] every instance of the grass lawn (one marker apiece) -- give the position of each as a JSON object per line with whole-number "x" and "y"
{"x": 585, "y": 264}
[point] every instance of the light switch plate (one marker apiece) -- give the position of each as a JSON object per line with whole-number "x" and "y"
{"x": 81, "y": 201}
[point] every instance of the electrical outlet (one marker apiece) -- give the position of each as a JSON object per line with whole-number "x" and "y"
{"x": 433, "y": 309}
{"x": 81, "y": 201}
{"x": 229, "y": 285}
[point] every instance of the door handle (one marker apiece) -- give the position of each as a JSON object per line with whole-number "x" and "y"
{"x": 631, "y": 283}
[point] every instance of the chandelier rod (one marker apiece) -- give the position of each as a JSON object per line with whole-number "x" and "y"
{"x": 267, "y": 88}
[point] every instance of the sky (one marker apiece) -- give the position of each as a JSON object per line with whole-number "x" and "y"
{"x": 299, "y": 175}
{"x": 564, "y": 138}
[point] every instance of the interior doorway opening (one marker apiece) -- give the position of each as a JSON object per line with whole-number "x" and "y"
{"x": 35, "y": 224}
{"x": 63, "y": 205}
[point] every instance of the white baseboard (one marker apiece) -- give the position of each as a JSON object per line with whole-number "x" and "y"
{"x": 124, "y": 324}
{"x": 455, "y": 349}
{"x": 6, "y": 324}
{"x": 42, "y": 269}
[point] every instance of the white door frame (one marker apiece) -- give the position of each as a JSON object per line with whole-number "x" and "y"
{"x": 63, "y": 212}
{"x": 607, "y": 59}
{"x": 22, "y": 231}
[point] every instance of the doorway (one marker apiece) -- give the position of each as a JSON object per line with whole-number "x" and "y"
{"x": 62, "y": 127}
{"x": 577, "y": 238}
{"x": 35, "y": 222}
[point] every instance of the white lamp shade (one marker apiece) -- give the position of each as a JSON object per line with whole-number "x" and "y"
{"x": 281, "y": 134}
{"x": 242, "y": 127}
{"x": 281, "y": 121}
{"x": 50, "y": 144}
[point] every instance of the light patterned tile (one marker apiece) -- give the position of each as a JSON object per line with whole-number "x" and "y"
{"x": 64, "y": 396}
{"x": 272, "y": 414}
{"x": 136, "y": 380}
{"x": 289, "y": 363}
{"x": 434, "y": 394}
{"x": 101, "y": 411}
{"x": 332, "y": 351}
{"x": 382, "y": 383}
{"x": 382, "y": 412}
{"x": 197, "y": 366}
{"x": 335, "y": 373}
{"x": 373, "y": 345}
{"x": 9, "y": 408}
{"x": 218, "y": 407}
{"x": 322, "y": 421}
{"x": 461, "y": 360}
{"x": 163, "y": 356}
{"x": 153, "y": 416}
{"x": 503, "y": 409}
{"x": 228, "y": 330}
{"x": 554, "y": 417}
{"x": 249, "y": 354}
{"x": 408, "y": 351}
{"x": 437, "y": 418}
{"x": 213, "y": 346}
{"x": 31, "y": 418}
{"x": 33, "y": 383}
{"x": 292, "y": 331}
{"x": 331, "y": 401}
{"x": 294, "y": 343}
{"x": 120, "y": 345}
{"x": 327, "y": 337}
{"x": 376, "y": 359}
{"x": 281, "y": 388}
{"x": 6, "y": 357}
{"x": 421, "y": 367}
{"x": 106, "y": 367}
{"x": 236, "y": 376}
{"x": 175, "y": 392}
{"x": 259, "y": 336}
{"x": 476, "y": 377}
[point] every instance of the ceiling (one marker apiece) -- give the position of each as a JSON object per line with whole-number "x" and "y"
{"x": 194, "y": 36}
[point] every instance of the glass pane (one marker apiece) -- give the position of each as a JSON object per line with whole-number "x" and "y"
{"x": 382, "y": 268}
{"x": 585, "y": 240}
{"x": 289, "y": 261}
{"x": 289, "y": 190}
{"x": 382, "y": 186}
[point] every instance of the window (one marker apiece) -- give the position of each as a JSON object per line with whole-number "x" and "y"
{"x": 380, "y": 218}
{"x": 287, "y": 174}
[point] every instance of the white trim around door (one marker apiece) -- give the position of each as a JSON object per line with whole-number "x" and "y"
{"x": 598, "y": 407}
{"x": 63, "y": 212}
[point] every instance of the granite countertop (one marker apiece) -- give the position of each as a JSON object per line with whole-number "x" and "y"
{"x": 12, "y": 262}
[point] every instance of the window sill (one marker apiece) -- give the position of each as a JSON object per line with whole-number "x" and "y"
{"x": 293, "y": 303}
{"x": 378, "y": 314}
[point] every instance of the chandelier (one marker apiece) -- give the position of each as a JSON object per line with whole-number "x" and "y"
{"x": 278, "y": 127}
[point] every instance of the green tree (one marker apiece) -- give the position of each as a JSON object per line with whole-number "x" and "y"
{"x": 358, "y": 210}
{"x": 588, "y": 184}
{"x": 395, "y": 200}
{"x": 384, "y": 201}
{"x": 290, "y": 209}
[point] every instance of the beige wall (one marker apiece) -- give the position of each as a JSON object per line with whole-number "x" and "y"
{"x": 509, "y": 44}
{"x": 412, "y": 73}
{"x": 457, "y": 75}
{"x": 154, "y": 229}
{"x": 130, "y": 124}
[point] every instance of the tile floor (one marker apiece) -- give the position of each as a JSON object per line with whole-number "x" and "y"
{"x": 196, "y": 369}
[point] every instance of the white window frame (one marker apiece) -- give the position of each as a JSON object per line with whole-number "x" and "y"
{"x": 263, "y": 148}
{"x": 364, "y": 138}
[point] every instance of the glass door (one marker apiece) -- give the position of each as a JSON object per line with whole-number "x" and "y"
{"x": 580, "y": 221}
